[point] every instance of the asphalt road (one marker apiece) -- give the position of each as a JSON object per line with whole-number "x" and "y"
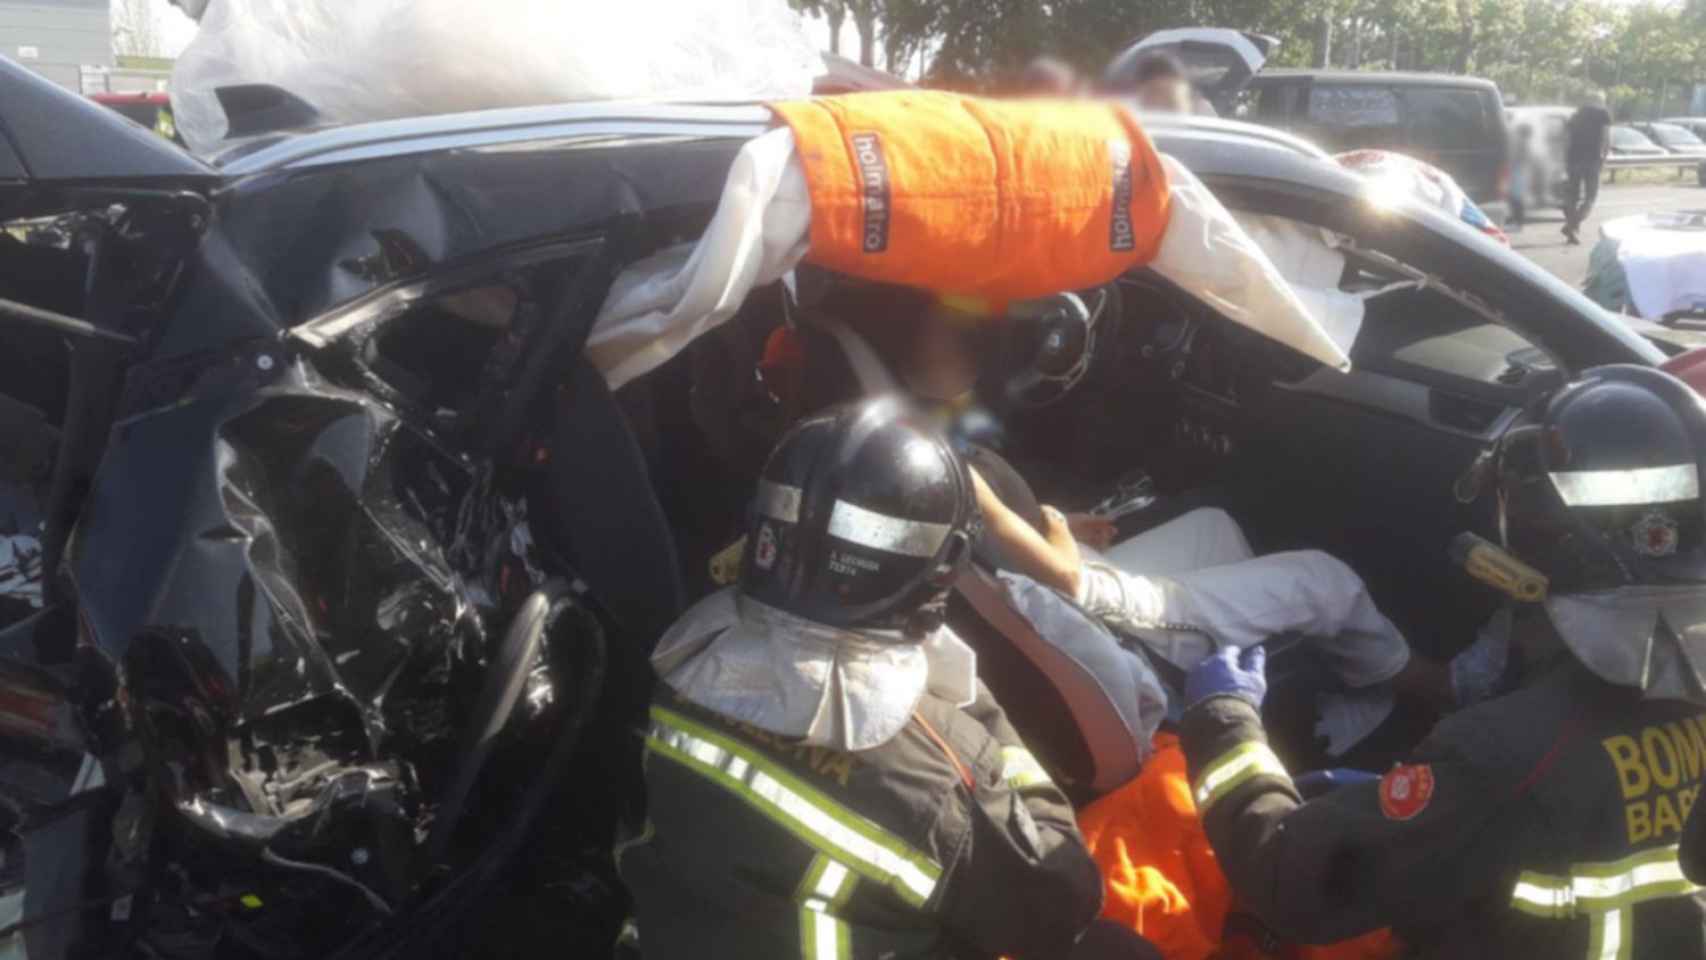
{"x": 1541, "y": 240}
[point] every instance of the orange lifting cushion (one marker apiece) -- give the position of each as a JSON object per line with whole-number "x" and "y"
{"x": 997, "y": 200}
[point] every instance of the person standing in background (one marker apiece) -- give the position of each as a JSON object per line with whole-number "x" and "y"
{"x": 1049, "y": 77}
{"x": 1589, "y": 142}
{"x": 1162, "y": 86}
{"x": 1522, "y": 172}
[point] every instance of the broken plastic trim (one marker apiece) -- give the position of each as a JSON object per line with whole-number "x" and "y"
{"x": 398, "y": 298}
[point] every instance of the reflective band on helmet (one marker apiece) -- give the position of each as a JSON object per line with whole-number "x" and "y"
{"x": 826, "y": 886}
{"x": 778, "y": 501}
{"x": 1021, "y": 770}
{"x": 1604, "y": 893}
{"x": 1623, "y": 488}
{"x": 1232, "y": 768}
{"x": 816, "y": 820}
{"x": 915, "y": 538}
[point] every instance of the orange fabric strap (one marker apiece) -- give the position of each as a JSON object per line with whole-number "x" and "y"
{"x": 995, "y": 200}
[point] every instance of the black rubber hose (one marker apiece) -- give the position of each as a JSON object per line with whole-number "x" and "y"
{"x": 505, "y": 679}
{"x": 60, "y": 323}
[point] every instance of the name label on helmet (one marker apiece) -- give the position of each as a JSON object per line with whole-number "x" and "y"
{"x": 851, "y": 564}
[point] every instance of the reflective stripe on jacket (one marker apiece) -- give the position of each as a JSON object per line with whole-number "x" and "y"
{"x": 948, "y": 840}
{"x": 1543, "y": 823}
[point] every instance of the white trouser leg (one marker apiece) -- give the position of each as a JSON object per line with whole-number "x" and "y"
{"x": 1186, "y": 615}
{"x": 1206, "y": 537}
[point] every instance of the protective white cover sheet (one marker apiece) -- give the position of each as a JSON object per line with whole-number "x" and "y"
{"x": 1663, "y": 260}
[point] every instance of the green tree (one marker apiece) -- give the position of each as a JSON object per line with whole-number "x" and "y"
{"x": 1650, "y": 52}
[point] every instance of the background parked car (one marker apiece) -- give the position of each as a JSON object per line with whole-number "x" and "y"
{"x": 1455, "y": 123}
{"x": 1626, "y": 142}
{"x": 1694, "y": 125}
{"x": 1677, "y": 139}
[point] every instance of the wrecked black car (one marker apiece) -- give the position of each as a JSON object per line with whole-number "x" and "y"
{"x": 329, "y": 562}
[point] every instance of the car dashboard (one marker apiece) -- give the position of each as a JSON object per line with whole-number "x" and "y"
{"x": 1420, "y": 356}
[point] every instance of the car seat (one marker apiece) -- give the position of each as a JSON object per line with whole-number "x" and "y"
{"x": 1105, "y": 690}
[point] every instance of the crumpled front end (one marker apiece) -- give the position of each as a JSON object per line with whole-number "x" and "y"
{"x": 292, "y": 589}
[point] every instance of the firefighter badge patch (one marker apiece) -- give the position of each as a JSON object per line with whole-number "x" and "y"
{"x": 1406, "y": 790}
{"x": 1654, "y": 535}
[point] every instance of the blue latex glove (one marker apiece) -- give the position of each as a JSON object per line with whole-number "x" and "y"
{"x": 1229, "y": 672}
{"x": 1317, "y": 782}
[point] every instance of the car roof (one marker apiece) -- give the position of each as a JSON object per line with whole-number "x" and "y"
{"x": 1222, "y": 153}
{"x": 611, "y": 123}
{"x": 1376, "y": 77}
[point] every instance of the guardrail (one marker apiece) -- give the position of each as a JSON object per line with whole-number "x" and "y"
{"x": 1683, "y": 165}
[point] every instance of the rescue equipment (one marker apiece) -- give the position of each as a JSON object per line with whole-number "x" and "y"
{"x": 1495, "y": 567}
{"x": 994, "y": 200}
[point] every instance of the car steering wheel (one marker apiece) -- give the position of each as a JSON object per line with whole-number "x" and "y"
{"x": 1056, "y": 343}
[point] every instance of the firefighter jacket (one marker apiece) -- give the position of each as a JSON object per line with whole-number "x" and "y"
{"x": 946, "y": 841}
{"x": 1543, "y": 823}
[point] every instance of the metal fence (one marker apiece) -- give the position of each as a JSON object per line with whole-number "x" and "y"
{"x": 1682, "y": 164}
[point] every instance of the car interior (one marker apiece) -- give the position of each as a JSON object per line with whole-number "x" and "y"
{"x": 1175, "y": 407}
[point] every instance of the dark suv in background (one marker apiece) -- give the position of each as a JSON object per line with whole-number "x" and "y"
{"x": 1455, "y": 123}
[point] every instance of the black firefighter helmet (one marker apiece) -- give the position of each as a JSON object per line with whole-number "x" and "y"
{"x": 1604, "y": 491}
{"x": 862, "y": 519}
